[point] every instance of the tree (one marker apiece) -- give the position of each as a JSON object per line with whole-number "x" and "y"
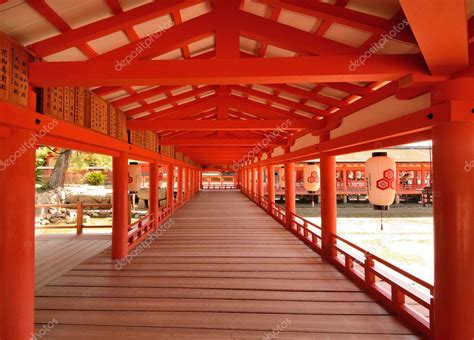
{"x": 60, "y": 168}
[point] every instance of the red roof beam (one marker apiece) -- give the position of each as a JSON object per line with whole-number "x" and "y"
{"x": 227, "y": 125}
{"x": 225, "y": 71}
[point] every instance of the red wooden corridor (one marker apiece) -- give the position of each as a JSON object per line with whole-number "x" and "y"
{"x": 253, "y": 89}
{"x": 236, "y": 275}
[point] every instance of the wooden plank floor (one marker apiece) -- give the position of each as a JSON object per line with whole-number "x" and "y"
{"x": 57, "y": 254}
{"x": 223, "y": 270}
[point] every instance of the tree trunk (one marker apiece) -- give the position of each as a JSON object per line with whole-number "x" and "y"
{"x": 60, "y": 168}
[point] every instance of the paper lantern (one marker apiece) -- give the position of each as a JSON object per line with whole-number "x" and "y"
{"x": 281, "y": 177}
{"x": 161, "y": 175}
{"x": 134, "y": 177}
{"x": 380, "y": 175}
{"x": 311, "y": 177}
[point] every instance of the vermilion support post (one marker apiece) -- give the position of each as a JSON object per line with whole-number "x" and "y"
{"x": 179, "y": 194}
{"x": 187, "y": 184}
{"x": 271, "y": 185}
{"x": 200, "y": 180}
{"x": 153, "y": 190}
{"x": 453, "y": 191}
{"x": 170, "y": 186}
{"x": 121, "y": 206}
{"x": 252, "y": 180}
{"x": 17, "y": 236}
{"x": 290, "y": 196}
{"x": 260, "y": 181}
{"x": 328, "y": 200}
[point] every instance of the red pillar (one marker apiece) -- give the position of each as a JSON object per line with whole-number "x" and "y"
{"x": 260, "y": 181}
{"x": 170, "y": 186}
{"x": 290, "y": 195}
{"x": 186, "y": 184}
{"x": 201, "y": 186}
{"x": 121, "y": 207}
{"x": 271, "y": 185}
{"x": 453, "y": 203}
{"x": 179, "y": 195}
{"x": 153, "y": 190}
{"x": 17, "y": 236}
{"x": 252, "y": 181}
{"x": 328, "y": 202}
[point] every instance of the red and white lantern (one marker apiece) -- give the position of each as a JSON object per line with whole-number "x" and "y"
{"x": 161, "y": 176}
{"x": 311, "y": 176}
{"x": 281, "y": 177}
{"x": 134, "y": 177}
{"x": 380, "y": 175}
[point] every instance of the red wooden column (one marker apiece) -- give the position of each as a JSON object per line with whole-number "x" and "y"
{"x": 260, "y": 182}
{"x": 170, "y": 186}
{"x": 179, "y": 195}
{"x": 328, "y": 200}
{"x": 121, "y": 207}
{"x": 188, "y": 183}
{"x": 453, "y": 208}
{"x": 17, "y": 235}
{"x": 271, "y": 185}
{"x": 153, "y": 190}
{"x": 290, "y": 189}
{"x": 252, "y": 181}
{"x": 201, "y": 186}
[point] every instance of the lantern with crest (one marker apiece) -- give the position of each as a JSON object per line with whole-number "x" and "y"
{"x": 311, "y": 177}
{"x": 380, "y": 175}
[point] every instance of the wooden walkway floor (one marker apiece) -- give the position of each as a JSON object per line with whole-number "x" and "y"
{"x": 58, "y": 254}
{"x": 223, "y": 270}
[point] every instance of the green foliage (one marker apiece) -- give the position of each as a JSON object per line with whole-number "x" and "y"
{"x": 82, "y": 160}
{"x": 41, "y": 154}
{"x": 94, "y": 178}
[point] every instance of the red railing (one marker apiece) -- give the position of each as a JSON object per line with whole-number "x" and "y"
{"x": 401, "y": 292}
{"x": 140, "y": 229}
{"x": 219, "y": 186}
{"x": 79, "y": 225}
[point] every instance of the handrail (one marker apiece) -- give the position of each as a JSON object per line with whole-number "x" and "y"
{"x": 363, "y": 269}
{"x": 79, "y": 207}
{"x": 219, "y": 186}
{"x": 138, "y": 230}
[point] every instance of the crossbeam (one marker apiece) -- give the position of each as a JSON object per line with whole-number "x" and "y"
{"x": 216, "y": 141}
{"x": 227, "y": 125}
{"x": 225, "y": 71}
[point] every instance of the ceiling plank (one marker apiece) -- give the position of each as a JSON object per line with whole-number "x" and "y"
{"x": 107, "y": 26}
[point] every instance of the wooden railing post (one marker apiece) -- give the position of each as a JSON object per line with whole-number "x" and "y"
{"x": 79, "y": 218}
{"x": 368, "y": 266}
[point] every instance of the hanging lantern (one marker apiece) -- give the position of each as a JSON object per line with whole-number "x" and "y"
{"x": 161, "y": 176}
{"x": 311, "y": 177}
{"x": 380, "y": 175}
{"x": 134, "y": 177}
{"x": 281, "y": 177}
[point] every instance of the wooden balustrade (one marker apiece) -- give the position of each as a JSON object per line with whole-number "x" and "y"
{"x": 400, "y": 291}
{"x": 79, "y": 207}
